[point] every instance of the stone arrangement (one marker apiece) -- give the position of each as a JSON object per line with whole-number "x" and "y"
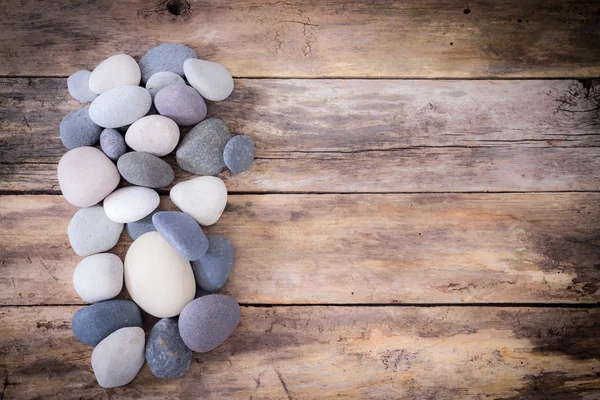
{"x": 172, "y": 269}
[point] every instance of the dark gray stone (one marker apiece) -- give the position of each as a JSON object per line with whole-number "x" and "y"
{"x": 182, "y": 232}
{"x": 77, "y": 129}
{"x": 239, "y": 153}
{"x": 183, "y": 104}
{"x": 138, "y": 228}
{"x": 201, "y": 150}
{"x": 165, "y": 57}
{"x": 208, "y": 321}
{"x": 145, "y": 169}
{"x": 166, "y": 354}
{"x": 112, "y": 144}
{"x": 93, "y": 323}
{"x": 212, "y": 269}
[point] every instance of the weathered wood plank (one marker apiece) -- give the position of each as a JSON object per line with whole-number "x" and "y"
{"x": 304, "y": 38}
{"x": 450, "y": 248}
{"x": 333, "y": 352}
{"x": 359, "y": 135}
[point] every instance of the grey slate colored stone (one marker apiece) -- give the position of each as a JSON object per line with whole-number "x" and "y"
{"x": 201, "y": 150}
{"x": 165, "y": 57}
{"x": 239, "y": 153}
{"x": 77, "y": 129}
{"x": 138, "y": 228}
{"x": 183, "y": 104}
{"x": 213, "y": 268}
{"x": 182, "y": 232}
{"x": 145, "y": 169}
{"x": 166, "y": 354}
{"x": 112, "y": 144}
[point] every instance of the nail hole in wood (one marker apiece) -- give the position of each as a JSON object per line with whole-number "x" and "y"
{"x": 467, "y": 11}
{"x": 178, "y": 7}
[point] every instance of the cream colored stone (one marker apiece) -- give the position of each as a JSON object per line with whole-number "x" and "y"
{"x": 153, "y": 134}
{"x": 117, "y": 70}
{"x": 204, "y": 198}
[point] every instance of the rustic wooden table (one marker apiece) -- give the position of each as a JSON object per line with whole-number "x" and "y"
{"x": 422, "y": 220}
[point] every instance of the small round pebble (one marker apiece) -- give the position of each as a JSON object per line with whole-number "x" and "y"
{"x": 163, "y": 79}
{"x": 117, "y": 70}
{"x": 120, "y": 106}
{"x": 166, "y": 354}
{"x": 181, "y": 103}
{"x": 86, "y": 176}
{"x": 118, "y": 358}
{"x": 79, "y": 87}
{"x": 98, "y": 277}
{"x": 93, "y": 323}
{"x": 212, "y": 269}
{"x": 157, "y": 278}
{"x": 144, "y": 169}
{"x": 208, "y": 321}
{"x": 165, "y": 57}
{"x": 153, "y": 134}
{"x": 210, "y": 79}
{"x": 91, "y": 231}
{"x": 77, "y": 129}
{"x": 112, "y": 144}
{"x": 130, "y": 203}
{"x": 182, "y": 232}
{"x": 204, "y": 198}
{"x": 239, "y": 153}
{"x": 201, "y": 150}
{"x": 136, "y": 229}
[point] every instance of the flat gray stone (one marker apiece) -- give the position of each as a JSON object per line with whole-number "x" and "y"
{"x": 213, "y": 268}
{"x": 93, "y": 323}
{"x": 118, "y": 358}
{"x": 201, "y": 150}
{"x": 77, "y": 129}
{"x": 165, "y": 57}
{"x": 144, "y": 169}
{"x": 166, "y": 354}
{"x": 112, "y": 144}
{"x": 182, "y": 232}
{"x": 138, "y": 228}
{"x": 79, "y": 86}
{"x": 91, "y": 231}
{"x": 183, "y": 104}
{"x": 238, "y": 154}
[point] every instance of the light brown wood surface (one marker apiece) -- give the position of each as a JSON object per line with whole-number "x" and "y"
{"x": 305, "y": 38}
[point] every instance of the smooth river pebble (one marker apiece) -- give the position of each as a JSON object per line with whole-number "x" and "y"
{"x": 166, "y": 354}
{"x": 154, "y": 134}
{"x": 91, "y": 231}
{"x": 157, "y": 278}
{"x": 212, "y": 269}
{"x": 93, "y": 323}
{"x": 98, "y": 277}
{"x": 77, "y": 129}
{"x": 79, "y": 87}
{"x": 118, "y": 358}
{"x": 208, "y": 321}
{"x": 204, "y": 198}
{"x": 117, "y": 70}
{"x": 144, "y": 169}
{"x": 239, "y": 153}
{"x": 210, "y": 79}
{"x": 201, "y": 150}
{"x": 112, "y": 144}
{"x": 120, "y": 106}
{"x": 165, "y": 57}
{"x": 181, "y": 103}
{"x": 130, "y": 203}
{"x": 136, "y": 229}
{"x": 182, "y": 232}
{"x": 163, "y": 79}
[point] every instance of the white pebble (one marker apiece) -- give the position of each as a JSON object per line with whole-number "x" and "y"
{"x": 210, "y": 79}
{"x": 117, "y": 70}
{"x": 153, "y": 134}
{"x": 204, "y": 198}
{"x": 98, "y": 277}
{"x": 118, "y": 358}
{"x": 130, "y": 203}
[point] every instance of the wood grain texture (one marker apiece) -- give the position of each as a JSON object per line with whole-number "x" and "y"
{"x": 329, "y": 249}
{"x": 358, "y": 135}
{"x": 306, "y": 38}
{"x": 333, "y": 352}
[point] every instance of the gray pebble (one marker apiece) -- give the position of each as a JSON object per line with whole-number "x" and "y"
{"x": 201, "y": 150}
{"x": 145, "y": 169}
{"x": 120, "y": 106}
{"x": 212, "y": 269}
{"x": 112, "y": 144}
{"x": 138, "y": 228}
{"x": 166, "y": 354}
{"x": 79, "y": 86}
{"x": 165, "y": 57}
{"x": 208, "y": 321}
{"x": 239, "y": 153}
{"x": 78, "y": 130}
{"x": 91, "y": 231}
{"x": 93, "y": 323}
{"x": 183, "y": 104}
{"x": 182, "y": 232}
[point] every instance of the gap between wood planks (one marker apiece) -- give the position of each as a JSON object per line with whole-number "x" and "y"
{"x": 398, "y": 305}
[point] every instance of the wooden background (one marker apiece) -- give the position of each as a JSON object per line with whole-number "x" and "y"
{"x": 422, "y": 220}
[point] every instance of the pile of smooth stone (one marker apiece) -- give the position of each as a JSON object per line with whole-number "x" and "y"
{"x": 171, "y": 269}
